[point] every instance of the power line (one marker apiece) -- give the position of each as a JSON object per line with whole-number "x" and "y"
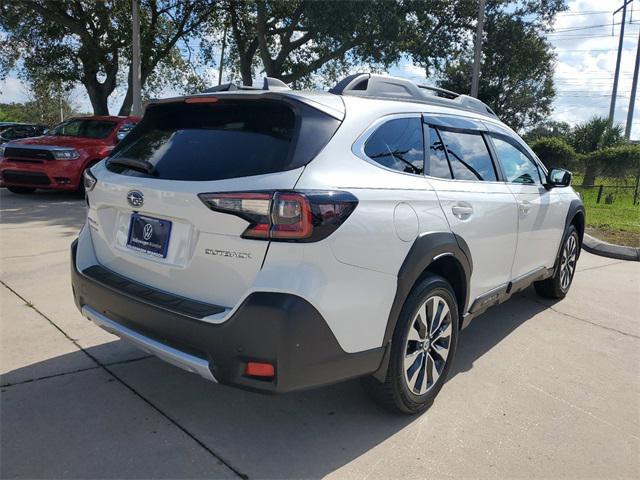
{"x": 590, "y": 50}
{"x": 587, "y": 27}
{"x": 582, "y": 37}
{"x": 586, "y": 12}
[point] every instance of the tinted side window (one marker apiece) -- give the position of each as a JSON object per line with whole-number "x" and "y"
{"x": 469, "y": 156}
{"x": 398, "y": 144}
{"x": 517, "y": 167}
{"x": 437, "y": 166}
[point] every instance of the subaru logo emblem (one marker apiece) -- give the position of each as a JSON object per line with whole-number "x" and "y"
{"x": 147, "y": 231}
{"x": 135, "y": 198}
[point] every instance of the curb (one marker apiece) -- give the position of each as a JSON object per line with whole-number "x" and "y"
{"x": 604, "y": 249}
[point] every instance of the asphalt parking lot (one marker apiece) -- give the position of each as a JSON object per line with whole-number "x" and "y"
{"x": 538, "y": 389}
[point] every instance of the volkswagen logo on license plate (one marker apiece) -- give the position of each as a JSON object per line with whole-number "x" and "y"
{"x": 147, "y": 231}
{"x": 135, "y": 198}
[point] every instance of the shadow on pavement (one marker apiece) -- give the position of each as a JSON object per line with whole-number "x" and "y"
{"x": 299, "y": 435}
{"x": 53, "y": 208}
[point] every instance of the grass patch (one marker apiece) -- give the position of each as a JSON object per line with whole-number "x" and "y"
{"x": 615, "y": 219}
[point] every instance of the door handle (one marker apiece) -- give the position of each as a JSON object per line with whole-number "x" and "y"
{"x": 462, "y": 210}
{"x": 524, "y": 207}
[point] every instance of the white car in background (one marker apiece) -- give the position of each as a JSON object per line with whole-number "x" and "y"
{"x": 279, "y": 240}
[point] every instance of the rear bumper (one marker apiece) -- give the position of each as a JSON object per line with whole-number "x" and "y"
{"x": 277, "y": 328}
{"x": 49, "y": 174}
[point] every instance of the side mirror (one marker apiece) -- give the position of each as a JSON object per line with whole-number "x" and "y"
{"x": 558, "y": 177}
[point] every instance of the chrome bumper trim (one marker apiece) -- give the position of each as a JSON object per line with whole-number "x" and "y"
{"x": 168, "y": 354}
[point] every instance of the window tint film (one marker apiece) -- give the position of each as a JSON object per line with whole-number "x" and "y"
{"x": 517, "y": 167}
{"x": 209, "y": 141}
{"x": 438, "y": 166}
{"x": 468, "y": 156}
{"x": 398, "y": 144}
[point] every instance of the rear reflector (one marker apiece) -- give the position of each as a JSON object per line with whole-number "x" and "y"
{"x": 257, "y": 369}
{"x": 285, "y": 216}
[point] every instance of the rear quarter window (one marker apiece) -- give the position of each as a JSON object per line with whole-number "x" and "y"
{"x": 399, "y": 145}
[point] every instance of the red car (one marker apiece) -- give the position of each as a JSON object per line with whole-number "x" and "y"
{"x": 57, "y": 160}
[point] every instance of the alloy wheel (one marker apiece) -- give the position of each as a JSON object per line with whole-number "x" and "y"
{"x": 568, "y": 262}
{"x": 427, "y": 346}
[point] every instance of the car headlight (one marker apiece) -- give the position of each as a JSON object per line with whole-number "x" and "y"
{"x": 89, "y": 180}
{"x": 66, "y": 154}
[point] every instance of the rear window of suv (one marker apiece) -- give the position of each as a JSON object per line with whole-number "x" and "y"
{"x": 221, "y": 140}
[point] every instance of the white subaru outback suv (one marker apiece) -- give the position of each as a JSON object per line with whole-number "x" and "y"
{"x": 278, "y": 240}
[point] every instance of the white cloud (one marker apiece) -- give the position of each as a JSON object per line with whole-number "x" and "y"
{"x": 586, "y": 63}
{"x": 12, "y": 90}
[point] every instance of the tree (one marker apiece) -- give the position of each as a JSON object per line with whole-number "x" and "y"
{"x": 591, "y": 136}
{"x": 46, "y": 105}
{"x": 292, "y": 40}
{"x": 516, "y": 76}
{"x": 548, "y": 129}
{"x": 89, "y": 42}
{"x": 595, "y": 134}
{"x": 554, "y": 152}
{"x": 619, "y": 161}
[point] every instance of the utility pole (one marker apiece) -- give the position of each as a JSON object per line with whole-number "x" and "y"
{"x": 224, "y": 44}
{"x": 634, "y": 87}
{"x": 136, "y": 108}
{"x": 475, "y": 80}
{"x": 614, "y": 93}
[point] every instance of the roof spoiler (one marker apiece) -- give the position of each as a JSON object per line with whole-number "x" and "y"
{"x": 269, "y": 84}
{"x": 394, "y": 88}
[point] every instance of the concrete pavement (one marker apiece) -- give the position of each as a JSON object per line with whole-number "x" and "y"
{"x": 538, "y": 389}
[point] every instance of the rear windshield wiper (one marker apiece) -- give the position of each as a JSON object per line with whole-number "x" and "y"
{"x": 134, "y": 164}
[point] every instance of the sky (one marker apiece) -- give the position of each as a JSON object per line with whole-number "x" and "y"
{"x": 586, "y": 46}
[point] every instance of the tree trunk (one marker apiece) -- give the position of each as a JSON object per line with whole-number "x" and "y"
{"x": 246, "y": 72}
{"x": 98, "y": 98}
{"x": 590, "y": 174}
{"x": 127, "y": 102}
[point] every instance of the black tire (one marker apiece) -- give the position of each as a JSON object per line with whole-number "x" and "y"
{"x": 21, "y": 190}
{"x": 398, "y": 392}
{"x": 557, "y": 286}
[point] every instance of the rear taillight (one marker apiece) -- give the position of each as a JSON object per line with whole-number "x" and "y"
{"x": 306, "y": 216}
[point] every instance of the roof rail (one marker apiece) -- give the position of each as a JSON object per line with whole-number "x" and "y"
{"x": 394, "y": 88}
{"x": 269, "y": 83}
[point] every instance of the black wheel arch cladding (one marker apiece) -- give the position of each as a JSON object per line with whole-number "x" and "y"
{"x": 425, "y": 250}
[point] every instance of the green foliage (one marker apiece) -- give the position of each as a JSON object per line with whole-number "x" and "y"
{"x": 547, "y": 129}
{"x": 299, "y": 41}
{"x": 310, "y": 42}
{"x": 615, "y": 218}
{"x": 46, "y": 103}
{"x": 595, "y": 134}
{"x": 518, "y": 86}
{"x": 555, "y": 152}
{"x": 89, "y": 42}
{"x": 619, "y": 161}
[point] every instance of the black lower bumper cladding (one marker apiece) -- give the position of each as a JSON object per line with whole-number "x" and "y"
{"x": 277, "y": 328}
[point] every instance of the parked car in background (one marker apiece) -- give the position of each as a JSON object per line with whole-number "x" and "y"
{"x": 21, "y": 130}
{"x": 58, "y": 159}
{"x": 278, "y": 240}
